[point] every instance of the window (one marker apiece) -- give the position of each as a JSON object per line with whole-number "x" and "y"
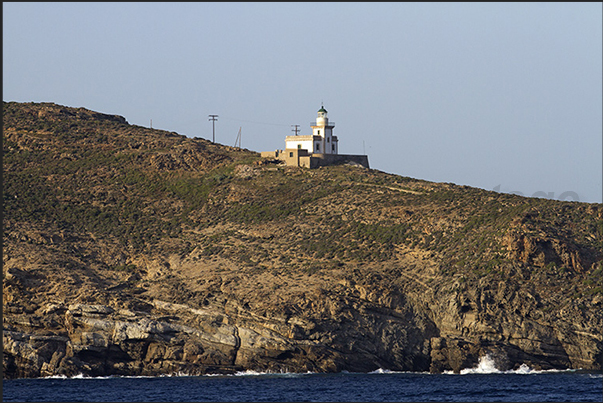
{"x": 317, "y": 147}
{"x": 328, "y": 139}
{"x": 299, "y": 146}
{"x": 333, "y": 147}
{"x": 290, "y": 154}
{"x": 318, "y": 132}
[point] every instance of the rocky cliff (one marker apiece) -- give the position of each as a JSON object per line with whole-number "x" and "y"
{"x": 143, "y": 252}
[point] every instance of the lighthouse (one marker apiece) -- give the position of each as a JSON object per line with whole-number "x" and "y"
{"x": 322, "y": 130}
{"x": 321, "y": 141}
{"x": 317, "y": 149}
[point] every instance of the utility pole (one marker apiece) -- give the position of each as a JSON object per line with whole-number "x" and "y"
{"x": 296, "y": 129}
{"x": 213, "y": 119}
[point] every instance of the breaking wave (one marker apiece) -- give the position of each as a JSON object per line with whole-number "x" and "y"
{"x": 487, "y": 365}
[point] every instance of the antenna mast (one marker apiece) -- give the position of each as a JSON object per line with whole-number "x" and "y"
{"x": 295, "y": 129}
{"x": 238, "y": 138}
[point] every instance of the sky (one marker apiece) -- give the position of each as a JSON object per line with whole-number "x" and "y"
{"x": 499, "y": 96}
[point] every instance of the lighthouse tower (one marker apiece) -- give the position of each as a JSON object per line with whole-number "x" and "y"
{"x": 322, "y": 130}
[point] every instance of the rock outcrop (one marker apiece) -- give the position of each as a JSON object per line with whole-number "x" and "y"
{"x": 327, "y": 323}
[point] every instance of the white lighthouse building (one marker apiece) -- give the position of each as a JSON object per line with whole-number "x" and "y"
{"x": 321, "y": 141}
{"x": 317, "y": 149}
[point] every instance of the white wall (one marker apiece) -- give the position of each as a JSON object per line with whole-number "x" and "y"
{"x": 305, "y": 144}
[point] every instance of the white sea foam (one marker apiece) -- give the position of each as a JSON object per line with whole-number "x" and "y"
{"x": 82, "y": 376}
{"x": 78, "y": 376}
{"x": 248, "y": 372}
{"x": 487, "y": 365}
{"x": 389, "y": 371}
{"x": 55, "y": 377}
{"x": 382, "y": 371}
{"x": 251, "y": 372}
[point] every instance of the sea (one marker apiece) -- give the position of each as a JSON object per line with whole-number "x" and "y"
{"x": 481, "y": 384}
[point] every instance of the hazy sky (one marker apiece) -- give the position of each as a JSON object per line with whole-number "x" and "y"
{"x": 504, "y": 96}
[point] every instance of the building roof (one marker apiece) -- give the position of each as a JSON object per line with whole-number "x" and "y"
{"x": 302, "y": 137}
{"x": 322, "y": 109}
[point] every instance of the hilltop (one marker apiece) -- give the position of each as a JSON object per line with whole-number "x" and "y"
{"x": 135, "y": 251}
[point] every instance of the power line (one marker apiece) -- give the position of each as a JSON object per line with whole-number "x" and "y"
{"x": 251, "y": 121}
{"x": 213, "y": 119}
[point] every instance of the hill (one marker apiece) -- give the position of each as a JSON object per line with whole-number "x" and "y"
{"x": 133, "y": 251}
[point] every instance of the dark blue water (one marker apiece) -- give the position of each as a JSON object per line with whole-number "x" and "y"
{"x": 566, "y": 386}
